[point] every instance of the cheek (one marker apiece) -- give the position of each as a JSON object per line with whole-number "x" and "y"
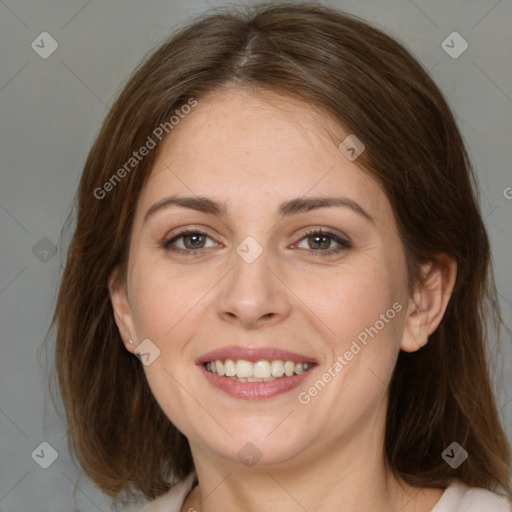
{"x": 164, "y": 298}
{"x": 349, "y": 299}
{"x": 366, "y": 317}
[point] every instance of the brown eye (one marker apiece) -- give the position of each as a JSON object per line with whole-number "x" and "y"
{"x": 319, "y": 243}
{"x": 194, "y": 241}
{"x": 187, "y": 242}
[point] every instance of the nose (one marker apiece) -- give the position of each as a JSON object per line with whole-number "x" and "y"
{"x": 253, "y": 294}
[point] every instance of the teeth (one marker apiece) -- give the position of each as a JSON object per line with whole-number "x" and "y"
{"x": 220, "y": 368}
{"x": 289, "y": 368}
{"x": 277, "y": 368}
{"x": 243, "y": 369}
{"x": 229, "y": 368}
{"x": 260, "y": 371}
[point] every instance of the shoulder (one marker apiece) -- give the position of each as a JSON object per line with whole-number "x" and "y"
{"x": 458, "y": 497}
{"x": 172, "y": 500}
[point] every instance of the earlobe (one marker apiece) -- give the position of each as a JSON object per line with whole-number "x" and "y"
{"x": 429, "y": 303}
{"x": 121, "y": 310}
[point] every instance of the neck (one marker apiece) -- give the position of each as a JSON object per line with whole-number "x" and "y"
{"x": 349, "y": 476}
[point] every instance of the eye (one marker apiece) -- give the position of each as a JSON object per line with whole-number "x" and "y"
{"x": 320, "y": 242}
{"x": 191, "y": 241}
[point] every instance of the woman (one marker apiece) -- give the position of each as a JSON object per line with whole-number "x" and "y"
{"x": 278, "y": 219}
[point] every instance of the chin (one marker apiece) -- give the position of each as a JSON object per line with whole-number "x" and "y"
{"x": 258, "y": 442}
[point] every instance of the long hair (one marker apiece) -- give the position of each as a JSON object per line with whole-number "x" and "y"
{"x": 375, "y": 89}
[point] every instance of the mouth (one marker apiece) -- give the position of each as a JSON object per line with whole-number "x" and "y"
{"x": 251, "y": 373}
{"x": 242, "y": 370}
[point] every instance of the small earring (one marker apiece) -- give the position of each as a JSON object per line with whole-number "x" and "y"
{"x": 130, "y": 342}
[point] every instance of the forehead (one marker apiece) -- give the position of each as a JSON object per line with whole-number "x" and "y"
{"x": 240, "y": 122}
{"x": 238, "y": 144}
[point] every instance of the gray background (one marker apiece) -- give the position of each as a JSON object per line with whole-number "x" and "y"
{"x": 50, "y": 110}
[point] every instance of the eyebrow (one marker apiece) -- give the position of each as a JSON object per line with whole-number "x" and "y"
{"x": 287, "y": 208}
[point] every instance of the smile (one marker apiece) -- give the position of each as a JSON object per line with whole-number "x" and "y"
{"x": 242, "y": 370}
{"x": 255, "y": 373}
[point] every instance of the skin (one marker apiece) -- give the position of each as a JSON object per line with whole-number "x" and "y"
{"x": 254, "y": 151}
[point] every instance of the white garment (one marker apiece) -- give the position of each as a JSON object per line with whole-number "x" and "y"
{"x": 457, "y": 497}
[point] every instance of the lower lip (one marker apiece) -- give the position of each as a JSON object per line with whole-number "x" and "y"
{"x": 255, "y": 390}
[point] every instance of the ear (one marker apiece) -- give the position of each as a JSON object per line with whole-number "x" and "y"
{"x": 431, "y": 298}
{"x": 122, "y": 310}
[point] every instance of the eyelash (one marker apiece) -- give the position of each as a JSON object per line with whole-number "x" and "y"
{"x": 343, "y": 244}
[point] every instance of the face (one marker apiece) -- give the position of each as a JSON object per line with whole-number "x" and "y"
{"x": 269, "y": 278}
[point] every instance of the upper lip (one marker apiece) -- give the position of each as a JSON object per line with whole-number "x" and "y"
{"x": 253, "y": 354}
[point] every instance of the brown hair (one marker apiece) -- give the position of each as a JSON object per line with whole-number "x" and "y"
{"x": 375, "y": 89}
